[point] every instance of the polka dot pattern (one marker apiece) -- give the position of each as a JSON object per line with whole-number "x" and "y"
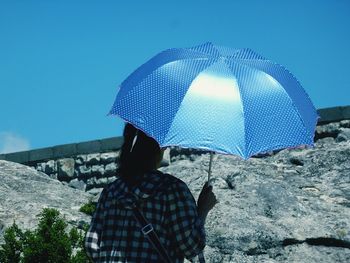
{"x": 226, "y": 100}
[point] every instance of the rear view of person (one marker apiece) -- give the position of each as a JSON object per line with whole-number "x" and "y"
{"x": 116, "y": 233}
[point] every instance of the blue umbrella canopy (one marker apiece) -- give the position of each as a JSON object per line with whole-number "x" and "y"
{"x": 226, "y": 100}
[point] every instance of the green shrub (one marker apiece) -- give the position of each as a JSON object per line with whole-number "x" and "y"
{"x": 48, "y": 243}
{"x": 88, "y": 208}
{"x": 10, "y": 252}
{"x": 77, "y": 239}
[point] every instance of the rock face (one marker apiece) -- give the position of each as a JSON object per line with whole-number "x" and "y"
{"x": 24, "y": 192}
{"x": 293, "y": 206}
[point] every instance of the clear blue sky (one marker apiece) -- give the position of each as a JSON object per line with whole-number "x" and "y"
{"x": 61, "y": 61}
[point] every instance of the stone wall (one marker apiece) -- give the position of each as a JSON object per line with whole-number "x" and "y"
{"x": 86, "y": 172}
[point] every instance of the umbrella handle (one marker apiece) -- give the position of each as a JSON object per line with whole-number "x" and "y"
{"x": 210, "y": 165}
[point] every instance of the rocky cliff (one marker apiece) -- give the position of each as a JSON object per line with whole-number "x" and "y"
{"x": 290, "y": 206}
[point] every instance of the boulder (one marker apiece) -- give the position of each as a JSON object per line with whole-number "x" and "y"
{"x": 110, "y": 157}
{"x": 91, "y": 183}
{"x": 83, "y": 172}
{"x": 93, "y": 159}
{"x": 110, "y": 169}
{"x": 80, "y": 159}
{"x": 65, "y": 169}
{"x": 24, "y": 192}
{"x": 345, "y": 124}
{"x": 327, "y": 130}
{"x": 95, "y": 192}
{"x": 77, "y": 184}
{"x": 97, "y": 171}
{"x": 50, "y": 167}
{"x": 177, "y": 153}
{"x": 344, "y": 135}
{"x": 166, "y": 158}
{"x": 293, "y": 206}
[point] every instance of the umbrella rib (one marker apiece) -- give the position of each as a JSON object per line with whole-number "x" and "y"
{"x": 311, "y": 136}
{"x": 244, "y": 153}
{"x": 178, "y": 109}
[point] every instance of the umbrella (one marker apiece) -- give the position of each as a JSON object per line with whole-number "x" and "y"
{"x": 220, "y": 99}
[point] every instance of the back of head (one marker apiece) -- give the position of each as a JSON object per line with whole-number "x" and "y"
{"x": 137, "y": 159}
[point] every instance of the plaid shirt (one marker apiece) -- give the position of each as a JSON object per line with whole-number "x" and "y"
{"x": 166, "y": 203}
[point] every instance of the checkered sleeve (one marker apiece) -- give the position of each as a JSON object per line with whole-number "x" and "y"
{"x": 185, "y": 225}
{"x": 93, "y": 235}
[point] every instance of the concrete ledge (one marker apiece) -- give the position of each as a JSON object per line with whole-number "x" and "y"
{"x": 88, "y": 147}
{"x": 40, "y": 154}
{"x": 334, "y": 114}
{"x": 64, "y": 151}
{"x": 17, "y": 157}
{"x": 113, "y": 144}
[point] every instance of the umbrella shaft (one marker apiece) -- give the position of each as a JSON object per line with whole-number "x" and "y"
{"x": 210, "y": 165}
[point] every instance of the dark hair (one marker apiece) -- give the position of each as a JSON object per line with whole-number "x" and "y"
{"x": 143, "y": 157}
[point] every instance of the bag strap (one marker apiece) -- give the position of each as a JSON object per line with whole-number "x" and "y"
{"x": 150, "y": 234}
{"x": 201, "y": 258}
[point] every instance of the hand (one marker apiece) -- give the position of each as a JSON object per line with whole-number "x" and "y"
{"x": 206, "y": 201}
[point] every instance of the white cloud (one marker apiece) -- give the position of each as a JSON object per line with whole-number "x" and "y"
{"x": 11, "y": 142}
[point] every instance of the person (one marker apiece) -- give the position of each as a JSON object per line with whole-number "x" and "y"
{"x": 164, "y": 200}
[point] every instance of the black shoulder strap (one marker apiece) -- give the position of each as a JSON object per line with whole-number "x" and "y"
{"x": 148, "y": 231}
